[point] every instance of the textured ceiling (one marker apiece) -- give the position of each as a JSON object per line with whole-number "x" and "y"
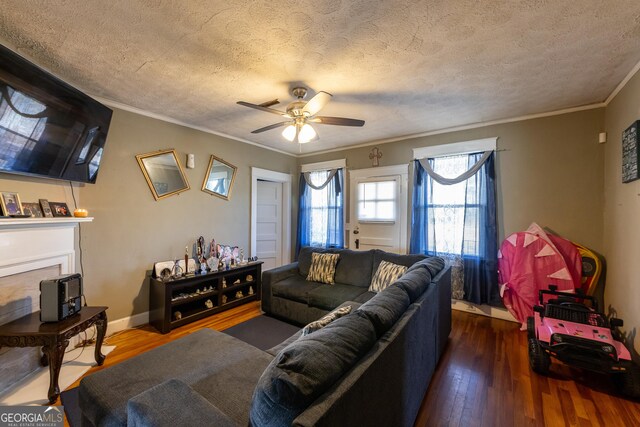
{"x": 405, "y": 67}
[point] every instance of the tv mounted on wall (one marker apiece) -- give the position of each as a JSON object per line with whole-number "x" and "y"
{"x": 48, "y": 128}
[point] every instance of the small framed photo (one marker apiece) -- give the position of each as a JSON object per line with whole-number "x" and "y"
{"x": 59, "y": 209}
{"x": 11, "y": 204}
{"x": 32, "y": 209}
{"x": 46, "y": 208}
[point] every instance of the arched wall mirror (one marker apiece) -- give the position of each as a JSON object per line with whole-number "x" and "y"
{"x": 163, "y": 173}
{"x": 219, "y": 178}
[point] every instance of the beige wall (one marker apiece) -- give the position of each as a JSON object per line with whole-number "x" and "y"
{"x": 550, "y": 170}
{"x": 622, "y": 214}
{"x": 131, "y": 230}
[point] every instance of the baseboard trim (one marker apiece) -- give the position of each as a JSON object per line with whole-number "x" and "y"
{"x": 127, "y": 323}
{"x": 484, "y": 310}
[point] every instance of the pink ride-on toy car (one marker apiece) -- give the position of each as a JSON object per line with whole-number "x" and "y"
{"x": 577, "y": 334}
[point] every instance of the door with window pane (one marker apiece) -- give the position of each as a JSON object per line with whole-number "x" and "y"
{"x": 377, "y": 211}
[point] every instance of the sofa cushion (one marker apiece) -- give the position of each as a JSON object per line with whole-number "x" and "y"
{"x": 323, "y": 268}
{"x": 205, "y": 354}
{"x": 433, "y": 263}
{"x": 406, "y": 260}
{"x": 386, "y": 274}
{"x": 277, "y": 348}
{"x": 316, "y": 325}
{"x": 304, "y": 257}
{"x": 362, "y": 298}
{"x": 164, "y": 404}
{"x": 414, "y": 282}
{"x": 294, "y": 288}
{"x": 306, "y": 368}
{"x": 354, "y": 268}
{"x": 384, "y": 309}
{"x": 329, "y": 297}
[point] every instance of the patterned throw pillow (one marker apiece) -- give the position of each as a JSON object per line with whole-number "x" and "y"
{"x": 386, "y": 274}
{"x": 324, "y": 321}
{"x": 323, "y": 268}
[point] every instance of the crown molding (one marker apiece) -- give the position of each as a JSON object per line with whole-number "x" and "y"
{"x": 460, "y": 128}
{"x": 622, "y": 84}
{"x": 162, "y": 117}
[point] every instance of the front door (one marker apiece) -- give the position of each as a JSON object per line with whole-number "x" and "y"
{"x": 378, "y": 209}
{"x": 269, "y": 224}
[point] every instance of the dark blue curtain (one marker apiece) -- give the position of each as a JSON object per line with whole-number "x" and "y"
{"x": 479, "y": 246}
{"x": 321, "y": 214}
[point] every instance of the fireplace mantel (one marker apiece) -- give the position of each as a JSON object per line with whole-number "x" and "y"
{"x": 30, "y": 243}
{"x": 8, "y": 223}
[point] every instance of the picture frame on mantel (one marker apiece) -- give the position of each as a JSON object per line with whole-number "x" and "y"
{"x": 10, "y": 203}
{"x": 630, "y": 154}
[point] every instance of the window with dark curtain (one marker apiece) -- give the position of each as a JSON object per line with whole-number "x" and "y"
{"x": 321, "y": 212}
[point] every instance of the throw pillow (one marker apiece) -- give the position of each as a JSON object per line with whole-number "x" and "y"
{"x": 323, "y": 268}
{"x": 324, "y": 321}
{"x": 386, "y": 274}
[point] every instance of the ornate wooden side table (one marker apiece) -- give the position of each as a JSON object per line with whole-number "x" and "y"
{"x": 54, "y": 337}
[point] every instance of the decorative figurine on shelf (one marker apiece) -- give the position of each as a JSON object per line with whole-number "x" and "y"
{"x": 220, "y": 264}
{"x": 176, "y": 271}
{"x": 242, "y": 261}
{"x": 250, "y": 290}
{"x": 208, "y": 304}
{"x": 227, "y": 264}
{"x": 239, "y": 294}
{"x": 249, "y": 278}
{"x": 200, "y": 248}
{"x": 177, "y": 315}
{"x": 237, "y": 282}
{"x": 224, "y": 283}
{"x": 224, "y": 299}
{"x": 212, "y": 258}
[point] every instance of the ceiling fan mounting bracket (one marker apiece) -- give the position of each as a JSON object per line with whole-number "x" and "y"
{"x": 299, "y": 92}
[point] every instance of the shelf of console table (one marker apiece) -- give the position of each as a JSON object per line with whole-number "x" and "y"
{"x": 165, "y": 299}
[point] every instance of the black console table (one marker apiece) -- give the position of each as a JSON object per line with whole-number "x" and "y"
{"x": 54, "y": 337}
{"x": 180, "y": 301}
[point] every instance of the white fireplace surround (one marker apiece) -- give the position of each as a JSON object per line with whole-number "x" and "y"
{"x": 28, "y": 244}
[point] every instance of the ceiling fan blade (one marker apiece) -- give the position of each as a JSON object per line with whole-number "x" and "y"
{"x": 339, "y": 121}
{"x": 273, "y": 126}
{"x": 270, "y": 103}
{"x": 316, "y": 103}
{"x": 260, "y": 107}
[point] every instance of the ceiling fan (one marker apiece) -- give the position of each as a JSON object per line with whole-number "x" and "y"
{"x": 300, "y": 114}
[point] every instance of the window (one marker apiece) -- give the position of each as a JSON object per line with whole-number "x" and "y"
{"x": 377, "y": 201}
{"x": 323, "y": 206}
{"x": 454, "y": 210}
{"x": 320, "y": 215}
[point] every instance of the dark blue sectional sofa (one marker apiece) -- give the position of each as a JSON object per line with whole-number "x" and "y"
{"x": 371, "y": 367}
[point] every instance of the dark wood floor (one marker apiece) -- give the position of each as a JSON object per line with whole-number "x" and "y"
{"x": 483, "y": 378}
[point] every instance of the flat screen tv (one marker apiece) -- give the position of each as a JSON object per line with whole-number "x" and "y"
{"x": 48, "y": 128}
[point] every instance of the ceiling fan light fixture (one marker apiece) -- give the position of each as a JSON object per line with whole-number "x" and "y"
{"x": 289, "y": 133}
{"x": 307, "y": 133}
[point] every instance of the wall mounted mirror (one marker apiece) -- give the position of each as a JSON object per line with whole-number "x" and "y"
{"x": 163, "y": 173}
{"x": 219, "y": 178}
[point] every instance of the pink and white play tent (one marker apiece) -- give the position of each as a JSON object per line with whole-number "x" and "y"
{"x": 531, "y": 260}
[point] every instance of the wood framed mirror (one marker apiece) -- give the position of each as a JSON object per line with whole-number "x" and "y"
{"x": 219, "y": 178}
{"x": 163, "y": 173}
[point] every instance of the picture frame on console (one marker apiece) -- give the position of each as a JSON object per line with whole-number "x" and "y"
{"x": 10, "y": 203}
